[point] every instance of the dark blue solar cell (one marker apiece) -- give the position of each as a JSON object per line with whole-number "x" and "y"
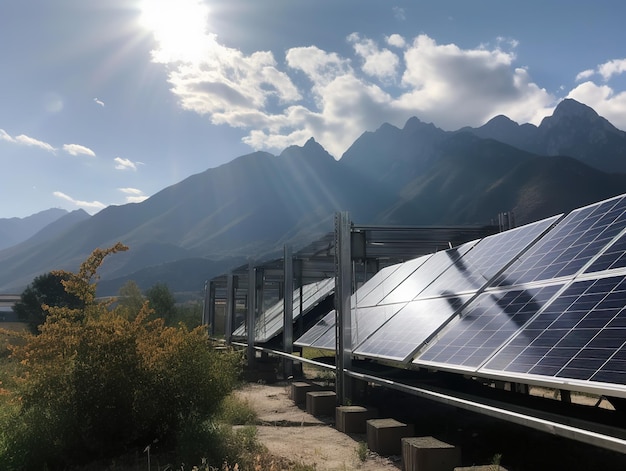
{"x": 570, "y": 245}
{"x": 484, "y": 325}
{"x": 407, "y": 330}
{"x": 591, "y": 349}
{"x": 478, "y": 266}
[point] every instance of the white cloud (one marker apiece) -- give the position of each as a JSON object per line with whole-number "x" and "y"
{"x": 584, "y": 75}
{"x": 335, "y": 98}
{"x": 77, "y": 149}
{"x": 133, "y": 195}
{"x": 604, "y": 100}
{"x": 399, "y": 13}
{"x": 611, "y": 68}
{"x": 89, "y": 206}
{"x": 396, "y": 40}
{"x": 5, "y": 136}
{"x": 30, "y": 141}
{"x": 125, "y": 164}
{"x": 379, "y": 63}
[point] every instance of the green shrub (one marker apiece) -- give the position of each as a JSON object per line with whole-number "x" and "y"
{"x": 236, "y": 411}
{"x": 96, "y": 382}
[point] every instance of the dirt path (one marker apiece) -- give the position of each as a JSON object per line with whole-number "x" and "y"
{"x": 290, "y": 432}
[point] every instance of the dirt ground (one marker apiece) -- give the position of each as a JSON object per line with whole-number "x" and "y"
{"x": 290, "y": 432}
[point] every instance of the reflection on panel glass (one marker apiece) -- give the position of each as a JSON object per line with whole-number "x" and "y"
{"x": 581, "y": 335}
{"x": 270, "y": 322}
{"x": 373, "y": 283}
{"x": 319, "y": 329}
{"x": 412, "y": 286}
{"x": 391, "y": 282}
{"x": 485, "y": 325}
{"x": 410, "y": 328}
{"x": 472, "y": 271}
{"x": 570, "y": 245}
{"x": 366, "y": 320}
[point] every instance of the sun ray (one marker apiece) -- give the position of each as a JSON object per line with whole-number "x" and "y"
{"x": 179, "y": 28}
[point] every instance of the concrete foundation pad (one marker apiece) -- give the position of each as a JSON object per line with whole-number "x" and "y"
{"x": 384, "y": 436}
{"x": 429, "y": 454}
{"x": 299, "y": 390}
{"x": 321, "y": 403}
{"x": 484, "y": 467}
{"x": 352, "y": 419}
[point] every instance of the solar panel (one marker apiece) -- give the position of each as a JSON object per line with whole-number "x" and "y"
{"x": 434, "y": 266}
{"x": 270, "y": 322}
{"x": 319, "y": 329}
{"x": 580, "y": 335}
{"x": 569, "y": 246}
{"x": 366, "y": 320}
{"x": 380, "y": 277}
{"x": 488, "y": 257}
{"x": 406, "y": 331}
{"x": 386, "y": 285}
{"x": 484, "y": 325}
{"x": 612, "y": 258}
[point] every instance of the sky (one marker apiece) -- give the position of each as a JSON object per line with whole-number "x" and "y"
{"x": 108, "y": 102}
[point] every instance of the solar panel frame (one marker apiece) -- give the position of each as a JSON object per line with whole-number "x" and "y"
{"x": 566, "y": 249}
{"x": 376, "y": 295}
{"x": 270, "y": 322}
{"x": 579, "y": 337}
{"x": 397, "y": 340}
{"x": 487, "y": 259}
{"x": 411, "y": 287}
{"x": 318, "y": 330}
{"x": 483, "y": 326}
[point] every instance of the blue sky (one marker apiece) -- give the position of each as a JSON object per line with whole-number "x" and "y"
{"x": 108, "y": 102}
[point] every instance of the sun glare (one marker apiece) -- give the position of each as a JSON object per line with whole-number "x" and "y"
{"x": 178, "y": 26}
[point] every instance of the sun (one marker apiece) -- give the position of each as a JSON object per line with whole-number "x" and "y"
{"x": 179, "y": 28}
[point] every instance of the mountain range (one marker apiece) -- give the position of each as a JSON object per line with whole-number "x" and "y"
{"x": 253, "y": 205}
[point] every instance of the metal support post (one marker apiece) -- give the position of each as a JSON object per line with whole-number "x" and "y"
{"x": 343, "y": 292}
{"x": 251, "y": 314}
{"x": 230, "y": 308}
{"x": 211, "y": 308}
{"x": 288, "y": 308}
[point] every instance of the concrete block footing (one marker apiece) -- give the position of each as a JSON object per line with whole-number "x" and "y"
{"x": 299, "y": 390}
{"x": 384, "y": 435}
{"x": 352, "y": 419}
{"x": 321, "y": 403}
{"x": 429, "y": 454}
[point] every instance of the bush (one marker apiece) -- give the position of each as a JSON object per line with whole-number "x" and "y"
{"x": 95, "y": 382}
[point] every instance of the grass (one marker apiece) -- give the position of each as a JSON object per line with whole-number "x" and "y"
{"x": 361, "y": 451}
{"x": 236, "y": 411}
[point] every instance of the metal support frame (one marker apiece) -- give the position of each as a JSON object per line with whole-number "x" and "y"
{"x": 210, "y": 307}
{"x": 251, "y": 314}
{"x": 343, "y": 292}
{"x": 230, "y": 308}
{"x": 288, "y": 307}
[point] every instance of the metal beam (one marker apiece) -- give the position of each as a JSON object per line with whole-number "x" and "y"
{"x": 343, "y": 292}
{"x": 251, "y": 313}
{"x": 288, "y": 307}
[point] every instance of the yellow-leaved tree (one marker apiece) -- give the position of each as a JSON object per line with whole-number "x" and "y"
{"x": 96, "y": 382}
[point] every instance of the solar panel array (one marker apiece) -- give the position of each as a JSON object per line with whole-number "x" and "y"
{"x": 544, "y": 303}
{"x": 270, "y": 322}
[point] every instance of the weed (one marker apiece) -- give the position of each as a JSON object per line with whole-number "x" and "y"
{"x": 361, "y": 451}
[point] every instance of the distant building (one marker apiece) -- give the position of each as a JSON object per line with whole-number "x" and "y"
{"x": 6, "y": 307}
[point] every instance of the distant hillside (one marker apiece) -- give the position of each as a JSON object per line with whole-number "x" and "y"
{"x": 16, "y": 230}
{"x": 417, "y": 175}
{"x": 574, "y": 129}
